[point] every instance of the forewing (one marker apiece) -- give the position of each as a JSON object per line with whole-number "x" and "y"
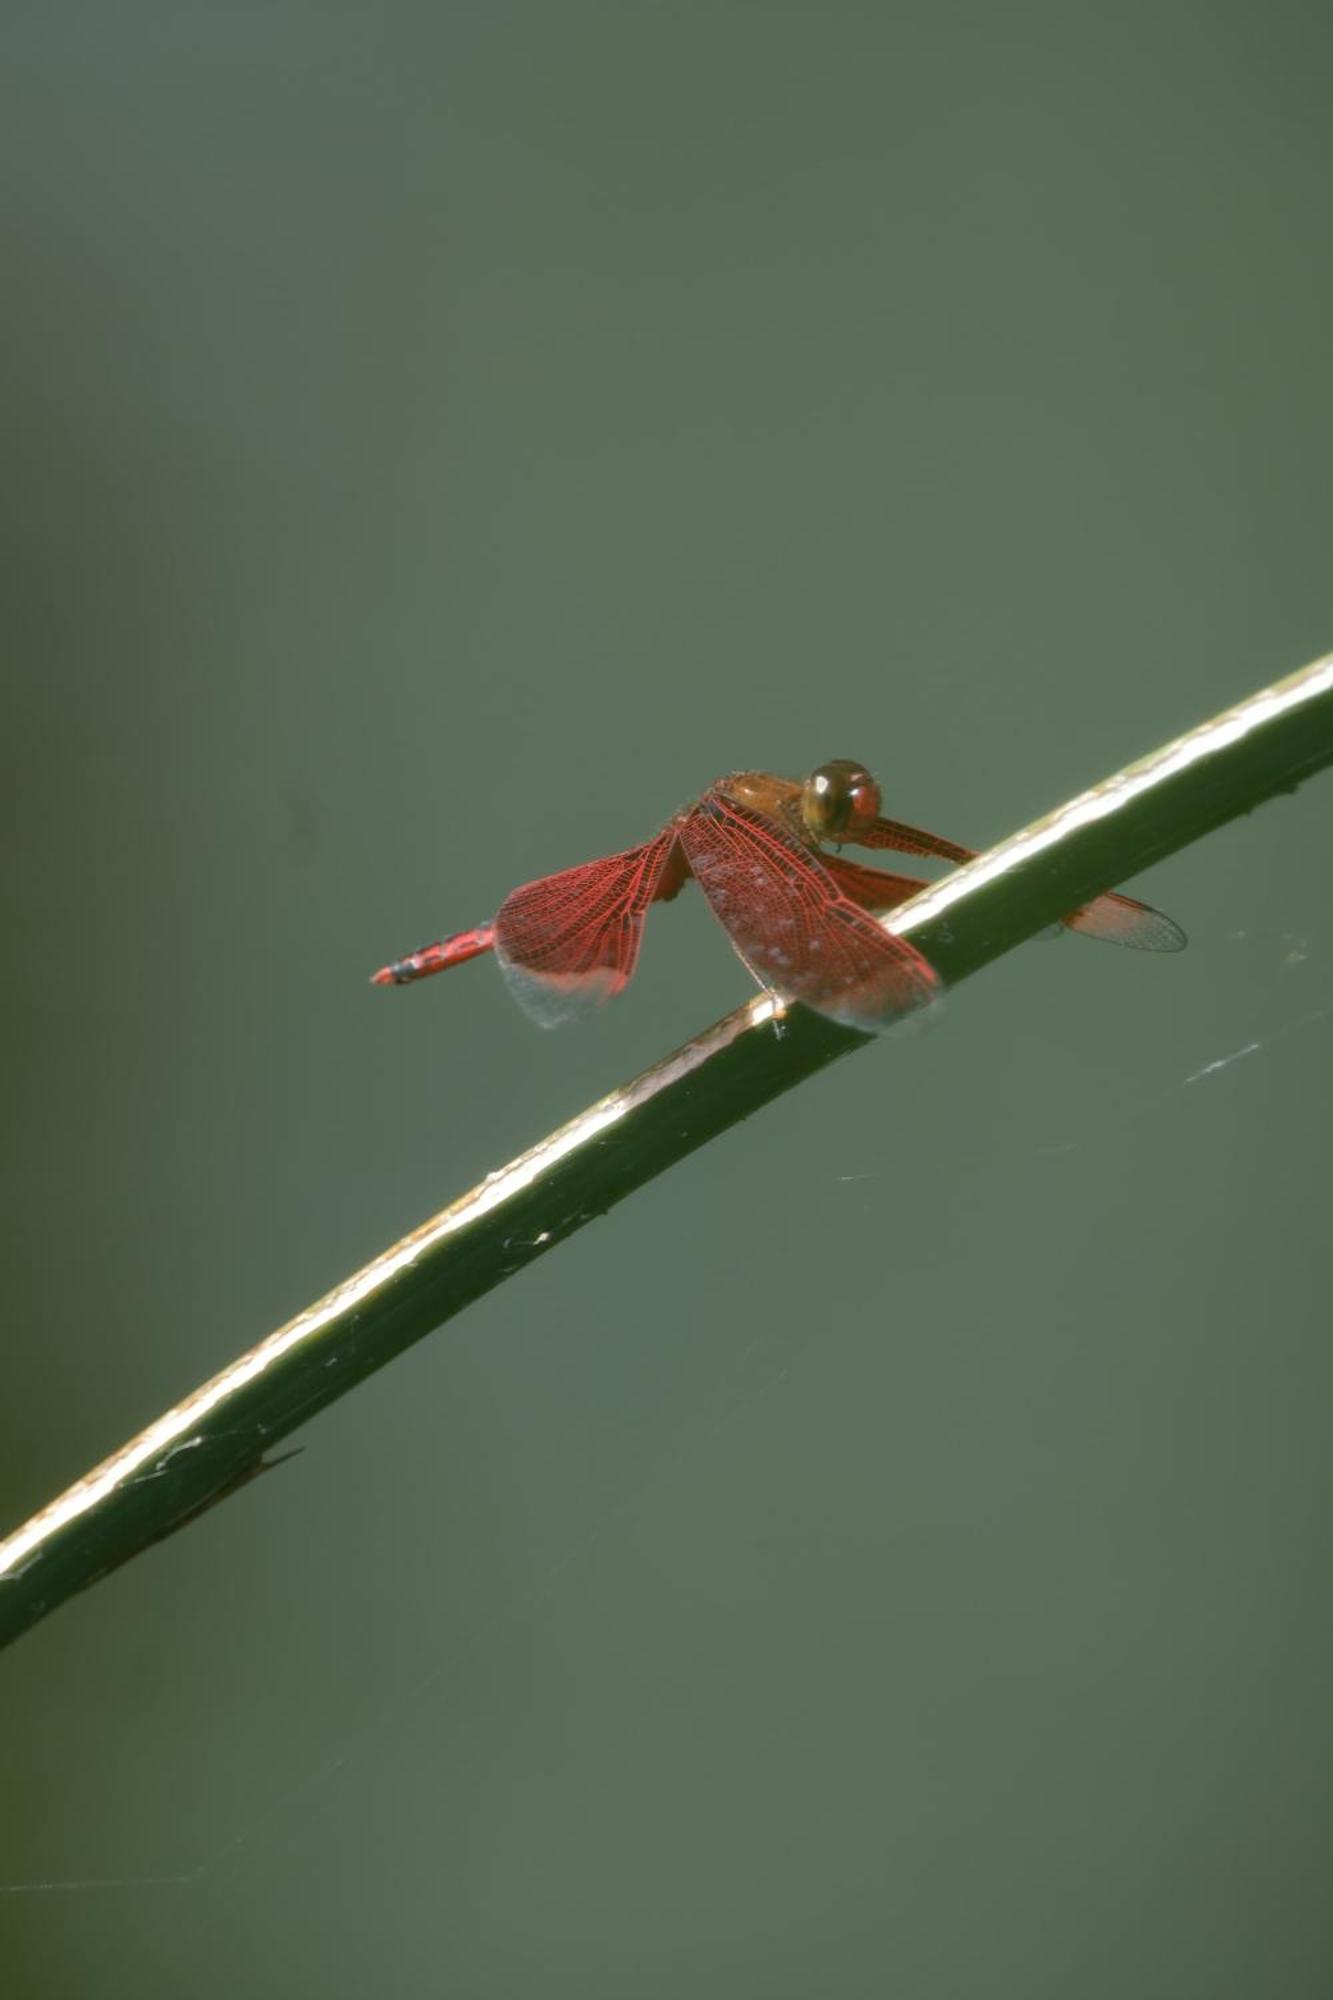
{"x": 872, "y": 888}
{"x": 568, "y": 941}
{"x": 911, "y": 840}
{"x": 794, "y": 926}
{"x": 1120, "y": 920}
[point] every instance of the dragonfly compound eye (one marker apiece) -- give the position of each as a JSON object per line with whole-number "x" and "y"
{"x": 839, "y": 800}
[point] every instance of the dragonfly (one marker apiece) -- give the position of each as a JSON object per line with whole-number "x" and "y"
{"x": 802, "y": 919}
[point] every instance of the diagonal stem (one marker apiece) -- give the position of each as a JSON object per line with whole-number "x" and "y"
{"x": 215, "y": 1439}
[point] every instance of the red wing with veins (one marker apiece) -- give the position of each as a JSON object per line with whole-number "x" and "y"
{"x": 872, "y": 888}
{"x": 568, "y": 941}
{"x": 792, "y": 924}
{"x": 1118, "y": 919}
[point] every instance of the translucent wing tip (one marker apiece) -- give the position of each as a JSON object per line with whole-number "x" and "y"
{"x": 911, "y": 992}
{"x": 553, "y": 999}
{"x": 1120, "y": 920}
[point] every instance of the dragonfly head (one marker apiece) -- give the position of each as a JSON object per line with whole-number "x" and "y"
{"x": 839, "y": 800}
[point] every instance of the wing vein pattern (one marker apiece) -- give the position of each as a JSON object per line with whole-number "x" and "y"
{"x": 791, "y": 923}
{"x": 569, "y": 941}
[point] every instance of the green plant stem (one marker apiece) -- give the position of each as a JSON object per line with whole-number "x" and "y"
{"x": 217, "y": 1437}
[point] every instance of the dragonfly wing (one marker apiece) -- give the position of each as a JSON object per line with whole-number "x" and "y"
{"x": 872, "y": 888}
{"x": 1120, "y": 920}
{"x": 568, "y": 941}
{"x": 793, "y": 925}
{"x": 911, "y": 840}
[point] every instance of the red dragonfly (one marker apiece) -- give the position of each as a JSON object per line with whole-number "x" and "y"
{"x": 798, "y": 917}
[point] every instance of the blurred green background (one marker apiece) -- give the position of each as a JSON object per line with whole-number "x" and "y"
{"x": 889, "y": 1555}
